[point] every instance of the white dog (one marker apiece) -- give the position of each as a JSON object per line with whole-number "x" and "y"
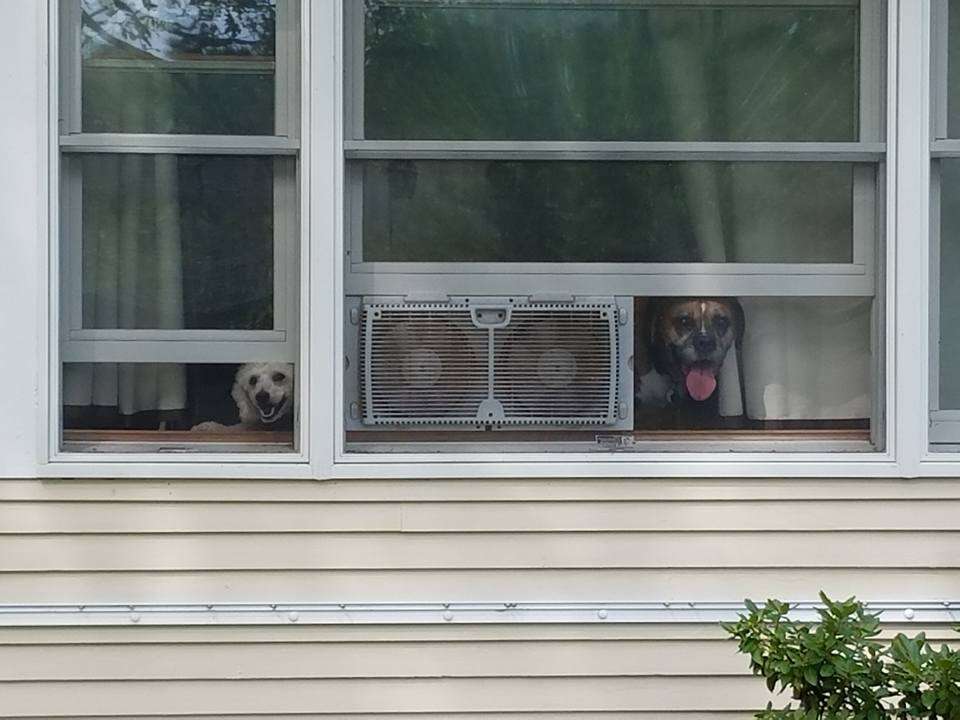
{"x": 264, "y": 396}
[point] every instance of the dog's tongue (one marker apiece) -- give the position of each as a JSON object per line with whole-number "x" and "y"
{"x": 701, "y": 383}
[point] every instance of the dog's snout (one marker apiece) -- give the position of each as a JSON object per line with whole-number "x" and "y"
{"x": 705, "y": 343}
{"x": 263, "y": 398}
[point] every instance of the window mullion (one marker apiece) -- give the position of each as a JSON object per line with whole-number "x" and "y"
{"x": 908, "y": 340}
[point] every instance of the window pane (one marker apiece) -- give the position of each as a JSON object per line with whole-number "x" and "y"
{"x": 182, "y": 66}
{"x": 178, "y": 241}
{"x": 500, "y": 211}
{"x": 949, "y": 287}
{"x": 184, "y": 406}
{"x": 611, "y": 71}
{"x": 945, "y": 395}
{"x": 953, "y": 70}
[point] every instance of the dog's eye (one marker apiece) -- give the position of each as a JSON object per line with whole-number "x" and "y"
{"x": 252, "y": 381}
{"x": 279, "y": 377}
{"x": 722, "y": 324}
{"x": 685, "y": 322}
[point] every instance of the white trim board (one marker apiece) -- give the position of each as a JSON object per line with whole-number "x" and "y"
{"x": 439, "y": 613}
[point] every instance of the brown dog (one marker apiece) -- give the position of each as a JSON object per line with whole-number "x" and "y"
{"x": 687, "y": 341}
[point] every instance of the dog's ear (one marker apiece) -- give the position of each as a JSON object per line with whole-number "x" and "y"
{"x": 248, "y": 413}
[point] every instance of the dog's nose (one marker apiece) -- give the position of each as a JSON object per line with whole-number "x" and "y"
{"x": 704, "y": 343}
{"x": 263, "y": 399}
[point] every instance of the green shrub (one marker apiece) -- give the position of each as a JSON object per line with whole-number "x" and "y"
{"x": 927, "y": 680}
{"x": 836, "y": 669}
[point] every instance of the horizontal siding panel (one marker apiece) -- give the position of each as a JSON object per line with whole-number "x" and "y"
{"x": 78, "y": 699}
{"x": 99, "y": 517}
{"x": 684, "y": 516}
{"x": 171, "y": 517}
{"x": 518, "y": 490}
{"x": 675, "y": 585}
{"x": 370, "y": 660}
{"x": 292, "y": 633}
{"x": 143, "y": 633}
{"x": 398, "y": 551}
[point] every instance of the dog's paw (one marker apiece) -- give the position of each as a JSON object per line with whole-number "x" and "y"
{"x": 209, "y": 426}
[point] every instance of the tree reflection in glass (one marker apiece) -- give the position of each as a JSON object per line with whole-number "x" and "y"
{"x": 183, "y": 66}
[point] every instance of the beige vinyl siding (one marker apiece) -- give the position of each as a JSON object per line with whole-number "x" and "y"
{"x": 113, "y": 541}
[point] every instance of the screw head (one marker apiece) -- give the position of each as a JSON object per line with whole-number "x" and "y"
{"x": 909, "y": 613}
{"x": 293, "y": 615}
{"x": 602, "y": 614}
{"x": 447, "y": 615}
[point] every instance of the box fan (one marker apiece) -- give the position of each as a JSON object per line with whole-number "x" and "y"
{"x": 490, "y": 363}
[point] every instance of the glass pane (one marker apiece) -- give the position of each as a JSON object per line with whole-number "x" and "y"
{"x": 599, "y": 373}
{"x": 178, "y": 241}
{"x": 953, "y": 70}
{"x": 949, "y": 287}
{"x": 499, "y": 211}
{"x": 186, "y": 406}
{"x": 610, "y": 71}
{"x": 179, "y": 66}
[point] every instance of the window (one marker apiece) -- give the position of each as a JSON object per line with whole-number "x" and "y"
{"x": 574, "y": 226}
{"x": 945, "y": 227}
{"x": 179, "y": 254}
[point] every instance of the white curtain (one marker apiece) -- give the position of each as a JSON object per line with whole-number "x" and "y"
{"x": 807, "y": 359}
{"x": 132, "y": 275}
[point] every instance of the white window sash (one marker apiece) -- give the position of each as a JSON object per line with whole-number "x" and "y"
{"x": 67, "y": 341}
{"x": 944, "y": 423}
{"x": 145, "y": 345}
{"x": 857, "y": 278}
{"x": 680, "y": 464}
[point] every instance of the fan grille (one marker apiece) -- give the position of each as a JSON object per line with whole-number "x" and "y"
{"x": 556, "y": 364}
{"x": 441, "y": 365}
{"x": 424, "y": 364}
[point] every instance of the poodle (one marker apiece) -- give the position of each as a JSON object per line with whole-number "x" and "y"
{"x": 263, "y": 393}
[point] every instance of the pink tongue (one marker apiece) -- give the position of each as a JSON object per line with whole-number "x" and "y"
{"x": 701, "y": 383}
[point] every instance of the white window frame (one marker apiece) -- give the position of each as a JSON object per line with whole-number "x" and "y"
{"x": 68, "y": 341}
{"x": 904, "y": 370}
